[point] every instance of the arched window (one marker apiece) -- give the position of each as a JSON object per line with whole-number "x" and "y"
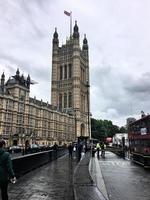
{"x": 70, "y": 99}
{"x": 65, "y": 100}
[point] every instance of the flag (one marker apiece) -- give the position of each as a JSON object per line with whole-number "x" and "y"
{"x": 67, "y": 13}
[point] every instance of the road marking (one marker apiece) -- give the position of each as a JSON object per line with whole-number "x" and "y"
{"x": 115, "y": 163}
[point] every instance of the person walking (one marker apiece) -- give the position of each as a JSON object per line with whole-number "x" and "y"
{"x": 98, "y": 149}
{"x": 80, "y": 148}
{"x": 55, "y": 148}
{"x": 70, "y": 149}
{"x": 6, "y": 171}
{"x": 103, "y": 146}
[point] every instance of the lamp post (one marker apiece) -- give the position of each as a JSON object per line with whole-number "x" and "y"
{"x": 88, "y": 86}
{"x": 23, "y": 143}
{"x": 75, "y": 121}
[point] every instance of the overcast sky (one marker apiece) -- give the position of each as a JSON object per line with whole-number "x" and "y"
{"x": 118, "y": 34}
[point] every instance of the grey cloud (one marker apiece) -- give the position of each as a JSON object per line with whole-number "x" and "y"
{"x": 139, "y": 85}
{"x": 118, "y": 92}
{"x": 37, "y": 71}
{"x": 117, "y": 34}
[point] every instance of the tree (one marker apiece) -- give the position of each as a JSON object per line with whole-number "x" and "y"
{"x": 123, "y": 129}
{"x": 103, "y": 128}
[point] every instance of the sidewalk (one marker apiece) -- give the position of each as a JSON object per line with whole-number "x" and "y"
{"x": 53, "y": 181}
{"x": 62, "y": 179}
{"x": 84, "y": 187}
{"x": 96, "y": 174}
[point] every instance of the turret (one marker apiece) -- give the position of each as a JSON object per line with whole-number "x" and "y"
{"x": 55, "y": 64}
{"x": 3, "y": 79}
{"x": 2, "y": 82}
{"x": 28, "y": 82}
{"x": 22, "y": 80}
{"x": 17, "y": 73}
{"x": 55, "y": 38}
{"x": 85, "y": 43}
{"x": 76, "y": 31}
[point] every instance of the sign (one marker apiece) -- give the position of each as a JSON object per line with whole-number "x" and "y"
{"x": 143, "y": 131}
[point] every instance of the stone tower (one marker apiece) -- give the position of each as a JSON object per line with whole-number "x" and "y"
{"x": 70, "y": 80}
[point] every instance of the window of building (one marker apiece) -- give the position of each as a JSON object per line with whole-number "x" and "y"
{"x": 20, "y": 119}
{"x": 70, "y": 70}
{"x": 30, "y": 110}
{"x": 83, "y": 75}
{"x": 60, "y": 101}
{"x": 21, "y": 108}
{"x": 65, "y": 72}
{"x": 61, "y": 72}
{"x": 65, "y": 100}
{"x": 70, "y": 99}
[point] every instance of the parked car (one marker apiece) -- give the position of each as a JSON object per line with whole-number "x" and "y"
{"x": 14, "y": 149}
{"x": 33, "y": 148}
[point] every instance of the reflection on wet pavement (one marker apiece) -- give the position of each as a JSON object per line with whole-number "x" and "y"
{"x": 53, "y": 181}
{"x": 124, "y": 180}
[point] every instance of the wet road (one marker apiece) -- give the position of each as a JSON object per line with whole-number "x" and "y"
{"x": 123, "y": 179}
{"x": 53, "y": 181}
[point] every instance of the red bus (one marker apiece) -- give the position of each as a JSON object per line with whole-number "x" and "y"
{"x": 139, "y": 141}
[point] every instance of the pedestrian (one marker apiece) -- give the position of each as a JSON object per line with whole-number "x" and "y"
{"x": 98, "y": 149}
{"x": 55, "y": 148}
{"x": 103, "y": 146}
{"x": 6, "y": 170}
{"x": 70, "y": 149}
{"x": 80, "y": 148}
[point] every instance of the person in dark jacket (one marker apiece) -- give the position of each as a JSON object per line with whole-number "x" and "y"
{"x": 70, "y": 149}
{"x": 6, "y": 171}
{"x": 55, "y": 148}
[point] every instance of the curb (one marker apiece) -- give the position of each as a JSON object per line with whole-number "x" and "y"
{"x": 83, "y": 185}
{"x": 96, "y": 174}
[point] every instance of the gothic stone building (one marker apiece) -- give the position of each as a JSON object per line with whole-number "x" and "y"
{"x": 70, "y": 80}
{"x": 25, "y": 119}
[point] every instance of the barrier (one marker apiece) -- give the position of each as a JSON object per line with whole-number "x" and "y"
{"x": 117, "y": 150}
{"x": 29, "y": 162}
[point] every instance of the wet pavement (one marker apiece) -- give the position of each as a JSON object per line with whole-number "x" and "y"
{"x": 53, "y": 181}
{"x": 113, "y": 178}
{"x": 84, "y": 187}
{"x": 120, "y": 179}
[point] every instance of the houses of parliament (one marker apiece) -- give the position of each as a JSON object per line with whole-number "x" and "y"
{"x": 23, "y": 118}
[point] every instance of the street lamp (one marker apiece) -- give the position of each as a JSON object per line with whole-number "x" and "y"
{"x": 88, "y": 86}
{"x": 75, "y": 120}
{"x": 23, "y": 143}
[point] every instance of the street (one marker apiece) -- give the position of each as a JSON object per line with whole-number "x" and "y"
{"x": 123, "y": 180}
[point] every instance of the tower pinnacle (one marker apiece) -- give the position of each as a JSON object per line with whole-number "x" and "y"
{"x": 76, "y": 31}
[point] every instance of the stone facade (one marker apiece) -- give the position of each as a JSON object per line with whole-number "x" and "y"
{"x": 25, "y": 119}
{"x": 70, "y": 80}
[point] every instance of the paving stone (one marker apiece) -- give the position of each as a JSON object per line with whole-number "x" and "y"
{"x": 62, "y": 179}
{"x": 52, "y": 181}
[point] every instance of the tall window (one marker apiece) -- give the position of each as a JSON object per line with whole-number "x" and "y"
{"x": 70, "y": 99}
{"x": 65, "y": 73}
{"x": 60, "y": 101}
{"x": 70, "y": 70}
{"x": 61, "y": 72}
{"x": 65, "y": 100}
{"x": 83, "y": 75}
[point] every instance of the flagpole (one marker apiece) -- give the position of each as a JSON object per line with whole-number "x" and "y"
{"x": 70, "y": 24}
{"x": 69, "y": 14}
